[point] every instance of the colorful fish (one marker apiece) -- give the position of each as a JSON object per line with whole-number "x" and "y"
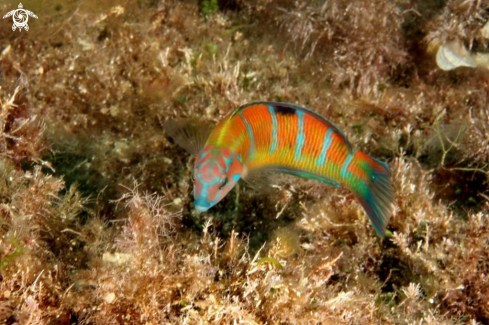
{"x": 284, "y": 138}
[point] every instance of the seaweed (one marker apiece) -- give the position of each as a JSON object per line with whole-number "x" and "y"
{"x": 97, "y": 223}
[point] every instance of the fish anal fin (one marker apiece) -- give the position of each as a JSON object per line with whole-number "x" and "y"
{"x": 190, "y": 134}
{"x": 264, "y": 175}
{"x": 303, "y": 174}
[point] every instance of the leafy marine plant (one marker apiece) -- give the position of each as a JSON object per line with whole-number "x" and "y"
{"x": 19, "y": 250}
{"x": 209, "y": 7}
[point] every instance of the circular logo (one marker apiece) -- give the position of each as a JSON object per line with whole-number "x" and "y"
{"x": 20, "y": 18}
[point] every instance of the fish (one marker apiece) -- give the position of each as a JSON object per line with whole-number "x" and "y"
{"x": 266, "y": 137}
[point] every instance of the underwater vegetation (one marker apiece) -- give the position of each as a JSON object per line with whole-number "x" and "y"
{"x": 97, "y": 221}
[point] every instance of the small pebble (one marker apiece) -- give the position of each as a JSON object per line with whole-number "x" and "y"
{"x": 109, "y": 297}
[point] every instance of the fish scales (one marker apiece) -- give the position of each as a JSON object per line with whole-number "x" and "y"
{"x": 285, "y": 138}
{"x": 294, "y": 141}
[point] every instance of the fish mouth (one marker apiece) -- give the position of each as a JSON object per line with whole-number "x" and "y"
{"x": 201, "y": 206}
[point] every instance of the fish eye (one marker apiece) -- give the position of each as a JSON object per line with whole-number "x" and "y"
{"x": 223, "y": 183}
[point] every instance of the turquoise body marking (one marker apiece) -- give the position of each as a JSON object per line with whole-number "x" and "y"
{"x": 299, "y": 141}
{"x": 326, "y": 143}
{"x": 273, "y": 146}
{"x": 250, "y": 136}
{"x": 347, "y": 163}
{"x": 217, "y": 198}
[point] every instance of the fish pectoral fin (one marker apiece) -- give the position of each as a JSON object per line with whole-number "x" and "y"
{"x": 259, "y": 180}
{"x": 190, "y": 134}
{"x": 303, "y": 174}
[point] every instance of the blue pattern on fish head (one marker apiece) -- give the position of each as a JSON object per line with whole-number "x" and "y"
{"x": 216, "y": 172}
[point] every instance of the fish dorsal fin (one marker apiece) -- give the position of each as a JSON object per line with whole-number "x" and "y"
{"x": 289, "y": 106}
{"x": 190, "y": 134}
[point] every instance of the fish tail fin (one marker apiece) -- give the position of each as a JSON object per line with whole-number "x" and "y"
{"x": 373, "y": 189}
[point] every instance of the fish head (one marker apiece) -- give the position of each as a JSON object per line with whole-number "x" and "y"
{"x": 216, "y": 172}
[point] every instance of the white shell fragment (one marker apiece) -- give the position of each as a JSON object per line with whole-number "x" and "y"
{"x": 117, "y": 258}
{"x": 453, "y": 55}
{"x": 482, "y": 60}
